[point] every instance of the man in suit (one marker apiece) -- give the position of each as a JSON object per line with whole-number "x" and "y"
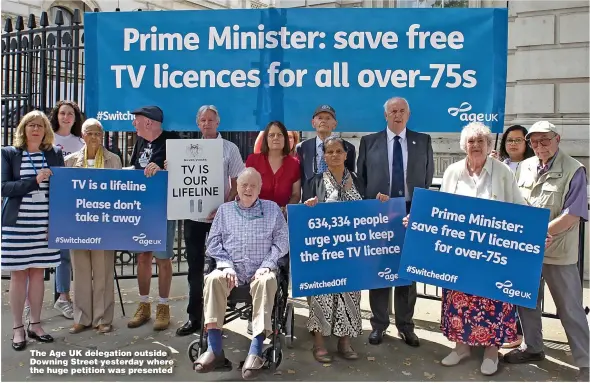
{"x": 394, "y": 162}
{"x": 311, "y": 153}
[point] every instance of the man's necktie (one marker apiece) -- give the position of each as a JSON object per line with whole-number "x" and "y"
{"x": 397, "y": 170}
{"x": 321, "y": 162}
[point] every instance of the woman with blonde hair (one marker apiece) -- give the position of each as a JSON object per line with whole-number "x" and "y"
{"x": 26, "y": 169}
{"x": 94, "y": 280}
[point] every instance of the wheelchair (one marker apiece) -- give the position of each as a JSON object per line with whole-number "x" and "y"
{"x": 282, "y": 319}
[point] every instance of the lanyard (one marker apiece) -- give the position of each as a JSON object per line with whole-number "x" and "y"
{"x": 249, "y": 218}
{"x": 33, "y": 165}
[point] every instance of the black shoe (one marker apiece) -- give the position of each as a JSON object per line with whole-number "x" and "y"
{"x": 410, "y": 338}
{"x": 190, "y": 327}
{"x": 523, "y": 356}
{"x": 41, "y": 338}
{"x": 376, "y": 336}
{"x": 19, "y": 346}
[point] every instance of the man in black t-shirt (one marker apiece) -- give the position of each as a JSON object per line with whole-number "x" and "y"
{"x": 149, "y": 154}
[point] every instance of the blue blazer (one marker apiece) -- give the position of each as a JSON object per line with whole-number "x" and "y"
{"x": 13, "y": 187}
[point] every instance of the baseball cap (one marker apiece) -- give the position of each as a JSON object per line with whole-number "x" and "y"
{"x": 541, "y": 127}
{"x": 151, "y": 112}
{"x": 325, "y": 108}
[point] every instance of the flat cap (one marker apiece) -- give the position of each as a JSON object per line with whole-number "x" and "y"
{"x": 541, "y": 127}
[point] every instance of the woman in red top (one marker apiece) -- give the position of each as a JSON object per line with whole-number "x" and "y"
{"x": 280, "y": 172}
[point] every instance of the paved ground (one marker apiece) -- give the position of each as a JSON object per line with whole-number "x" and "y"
{"x": 391, "y": 361}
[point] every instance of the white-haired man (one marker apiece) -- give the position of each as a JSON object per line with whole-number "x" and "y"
{"x": 247, "y": 239}
{"x": 195, "y": 232}
{"x": 394, "y": 162}
{"x": 149, "y": 154}
{"x": 555, "y": 181}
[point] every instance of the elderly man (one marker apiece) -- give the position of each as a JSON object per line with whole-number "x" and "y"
{"x": 195, "y": 232}
{"x": 149, "y": 154}
{"x": 247, "y": 238}
{"x": 394, "y": 162}
{"x": 555, "y": 181}
{"x": 311, "y": 152}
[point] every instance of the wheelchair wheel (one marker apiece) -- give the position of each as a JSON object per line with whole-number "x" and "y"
{"x": 274, "y": 355}
{"x": 290, "y": 325}
{"x": 194, "y": 350}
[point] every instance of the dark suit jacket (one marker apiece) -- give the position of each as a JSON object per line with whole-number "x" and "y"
{"x": 373, "y": 163}
{"x": 306, "y": 152}
{"x": 13, "y": 187}
{"x": 317, "y": 187}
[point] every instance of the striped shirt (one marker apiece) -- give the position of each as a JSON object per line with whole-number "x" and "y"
{"x": 24, "y": 245}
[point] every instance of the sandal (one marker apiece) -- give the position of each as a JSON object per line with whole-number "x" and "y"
{"x": 348, "y": 352}
{"x": 19, "y": 346}
{"x": 251, "y": 367}
{"x": 322, "y": 358}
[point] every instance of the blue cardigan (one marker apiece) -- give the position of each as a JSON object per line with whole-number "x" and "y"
{"x": 13, "y": 187}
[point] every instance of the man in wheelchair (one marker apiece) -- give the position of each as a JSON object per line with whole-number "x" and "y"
{"x": 247, "y": 238}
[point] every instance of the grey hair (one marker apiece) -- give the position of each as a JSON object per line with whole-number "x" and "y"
{"x": 395, "y": 99}
{"x": 334, "y": 139}
{"x": 250, "y": 172}
{"x": 474, "y": 129}
{"x": 205, "y": 108}
{"x": 91, "y": 122}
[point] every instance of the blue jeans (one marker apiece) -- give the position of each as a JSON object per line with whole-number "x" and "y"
{"x": 63, "y": 273}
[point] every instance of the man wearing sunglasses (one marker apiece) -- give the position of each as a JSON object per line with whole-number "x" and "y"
{"x": 555, "y": 181}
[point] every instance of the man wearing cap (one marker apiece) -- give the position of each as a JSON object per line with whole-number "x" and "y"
{"x": 555, "y": 181}
{"x": 149, "y": 154}
{"x": 393, "y": 162}
{"x": 311, "y": 152}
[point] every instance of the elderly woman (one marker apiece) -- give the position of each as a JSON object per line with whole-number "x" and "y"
{"x": 281, "y": 177}
{"x": 469, "y": 320}
{"x": 25, "y": 253}
{"x": 335, "y": 314}
{"x": 247, "y": 239}
{"x": 93, "y": 269}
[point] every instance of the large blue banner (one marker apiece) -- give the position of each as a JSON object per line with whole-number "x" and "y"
{"x": 484, "y": 247}
{"x": 105, "y": 209}
{"x": 345, "y": 246}
{"x": 281, "y": 64}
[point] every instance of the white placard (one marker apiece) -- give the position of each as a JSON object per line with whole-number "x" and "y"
{"x": 195, "y": 178}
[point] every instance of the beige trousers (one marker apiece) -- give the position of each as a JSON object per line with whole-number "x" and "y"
{"x": 94, "y": 286}
{"x": 262, "y": 290}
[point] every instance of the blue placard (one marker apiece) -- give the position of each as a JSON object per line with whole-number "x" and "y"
{"x": 345, "y": 246}
{"x": 106, "y": 209}
{"x": 281, "y": 64}
{"x": 488, "y": 248}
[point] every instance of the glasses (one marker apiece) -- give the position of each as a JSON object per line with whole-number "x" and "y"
{"x": 275, "y": 135}
{"x": 542, "y": 141}
{"x": 516, "y": 141}
{"x": 35, "y": 126}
